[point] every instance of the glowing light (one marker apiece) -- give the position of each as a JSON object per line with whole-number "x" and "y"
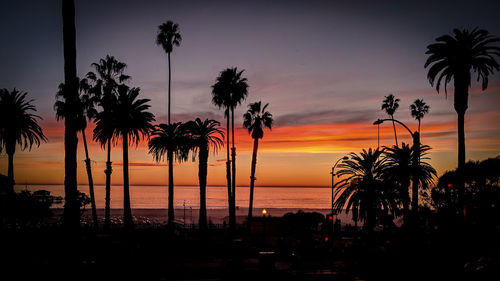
{"x": 264, "y": 212}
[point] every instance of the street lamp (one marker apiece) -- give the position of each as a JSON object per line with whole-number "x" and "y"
{"x": 416, "y": 161}
{"x": 333, "y": 175}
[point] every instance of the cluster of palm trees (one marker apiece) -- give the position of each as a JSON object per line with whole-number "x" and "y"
{"x": 376, "y": 181}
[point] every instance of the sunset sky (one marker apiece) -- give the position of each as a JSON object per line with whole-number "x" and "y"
{"x": 323, "y": 66}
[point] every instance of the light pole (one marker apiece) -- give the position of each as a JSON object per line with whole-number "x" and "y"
{"x": 416, "y": 160}
{"x": 333, "y": 176}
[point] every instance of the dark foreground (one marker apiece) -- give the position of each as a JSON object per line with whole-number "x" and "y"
{"x": 161, "y": 254}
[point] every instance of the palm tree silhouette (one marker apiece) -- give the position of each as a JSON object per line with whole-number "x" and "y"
{"x": 401, "y": 170}
{"x": 255, "y": 120}
{"x": 418, "y": 110}
{"x": 390, "y": 104}
{"x": 363, "y": 189}
{"x": 168, "y": 36}
{"x": 109, "y": 74}
{"x": 229, "y": 90}
{"x": 133, "y": 123}
{"x": 71, "y": 216}
{"x": 85, "y": 109}
{"x": 170, "y": 138}
{"x": 455, "y": 56}
{"x": 203, "y": 135}
{"x": 18, "y": 126}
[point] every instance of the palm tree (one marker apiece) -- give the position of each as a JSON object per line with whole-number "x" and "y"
{"x": 71, "y": 207}
{"x": 203, "y": 135}
{"x": 363, "y": 189}
{"x": 229, "y": 90}
{"x": 418, "y": 110}
{"x": 18, "y": 126}
{"x": 168, "y": 36}
{"x": 255, "y": 120}
{"x": 105, "y": 83}
{"x": 85, "y": 109}
{"x": 455, "y": 56}
{"x": 390, "y": 104}
{"x": 133, "y": 122}
{"x": 168, "y": 138}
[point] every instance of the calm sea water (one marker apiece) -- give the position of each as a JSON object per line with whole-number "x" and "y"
{"x": 156, "y": 197}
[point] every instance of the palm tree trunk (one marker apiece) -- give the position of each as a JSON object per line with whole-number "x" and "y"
{"x": 406, "y": 203}
{"x": 394, "y": 127}
{"x": 169, "y": 79}
{"x": 233, "y": 154}
{"x": 71, "y": 215}
{"x": 228, "y": 173}
{"x": 419, "y": 126}
{"x": 108, "y": 171}
{"x": 415, "y": 179}
{"x": 170, "y": 156}
{"x": 11, "y": 149}
{"x": 461, "y": 101}
{"x": 91, "y": 181}
{"x": 127, "y": 212}
{"x": 252, "y": 177}
{"x": 202, "y": 177}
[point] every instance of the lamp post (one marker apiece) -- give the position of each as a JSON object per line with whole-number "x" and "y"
{"x": 416, "y": 161}
{"x": 333, "y": 176}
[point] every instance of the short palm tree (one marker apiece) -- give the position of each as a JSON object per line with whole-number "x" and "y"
{"x": 105, "y": 80}
{"x": 455, "y": 56}
{"x": 170, "y": 138}
{"x": 133, "y": 123}
{"x": 390, "y": 104}
{"x": 255, "y": 120}
{"x": 18, "y": 126}
{"x": 203, "y": 136}
{"x": 85, "y": 109}
{"x": 168, "y": 36}
{"x": 229, "y": 90}
{"x": 418, "y": 110}
{"x": 363, "y": 189}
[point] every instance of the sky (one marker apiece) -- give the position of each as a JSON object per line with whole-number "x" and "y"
{"x": 324, "y": 67}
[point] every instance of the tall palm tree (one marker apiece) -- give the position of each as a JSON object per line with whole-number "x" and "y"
{"x": 390, "y": 104}
{"x": 133, "y": 123}
{"x": 71, "y": 215}
{"x": 85, "y": 109}
{"x": 401, "y": 169}
{"x": 363, "y": 189}
{"x": 255, "y": 120}
{"x": 229, "y": 90}
{"x": 18, "y": 126}
{"x": 418, "y": 110}
{"x": 168, "y": 138}
{"x": 168, "y": 36}
{"x": 455, "y": 56}
{"x": 203, "y": 135}
{"x": 108, "y": 75}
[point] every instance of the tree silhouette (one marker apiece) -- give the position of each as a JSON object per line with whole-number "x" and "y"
{"x": 363, "y": 189}
{"x": 168, "y": 36}
{"x": 229, "y": 90}
{"x": 401, "y": 170}
{"x": 203, "y": 135}
{"x": 390, "y": 104}
{"x": 71, "y": 217}
{"x": 18, "y": 126}
{"x": 170, "y": 138}
{"x": 255, "y": 120}
{"x": 85, "y": 109}
{"x": 108, "y": 75}
{"x": 455, "y": 56}
{"x": 418, "y": 110}
{"x": 133, "y": 122}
